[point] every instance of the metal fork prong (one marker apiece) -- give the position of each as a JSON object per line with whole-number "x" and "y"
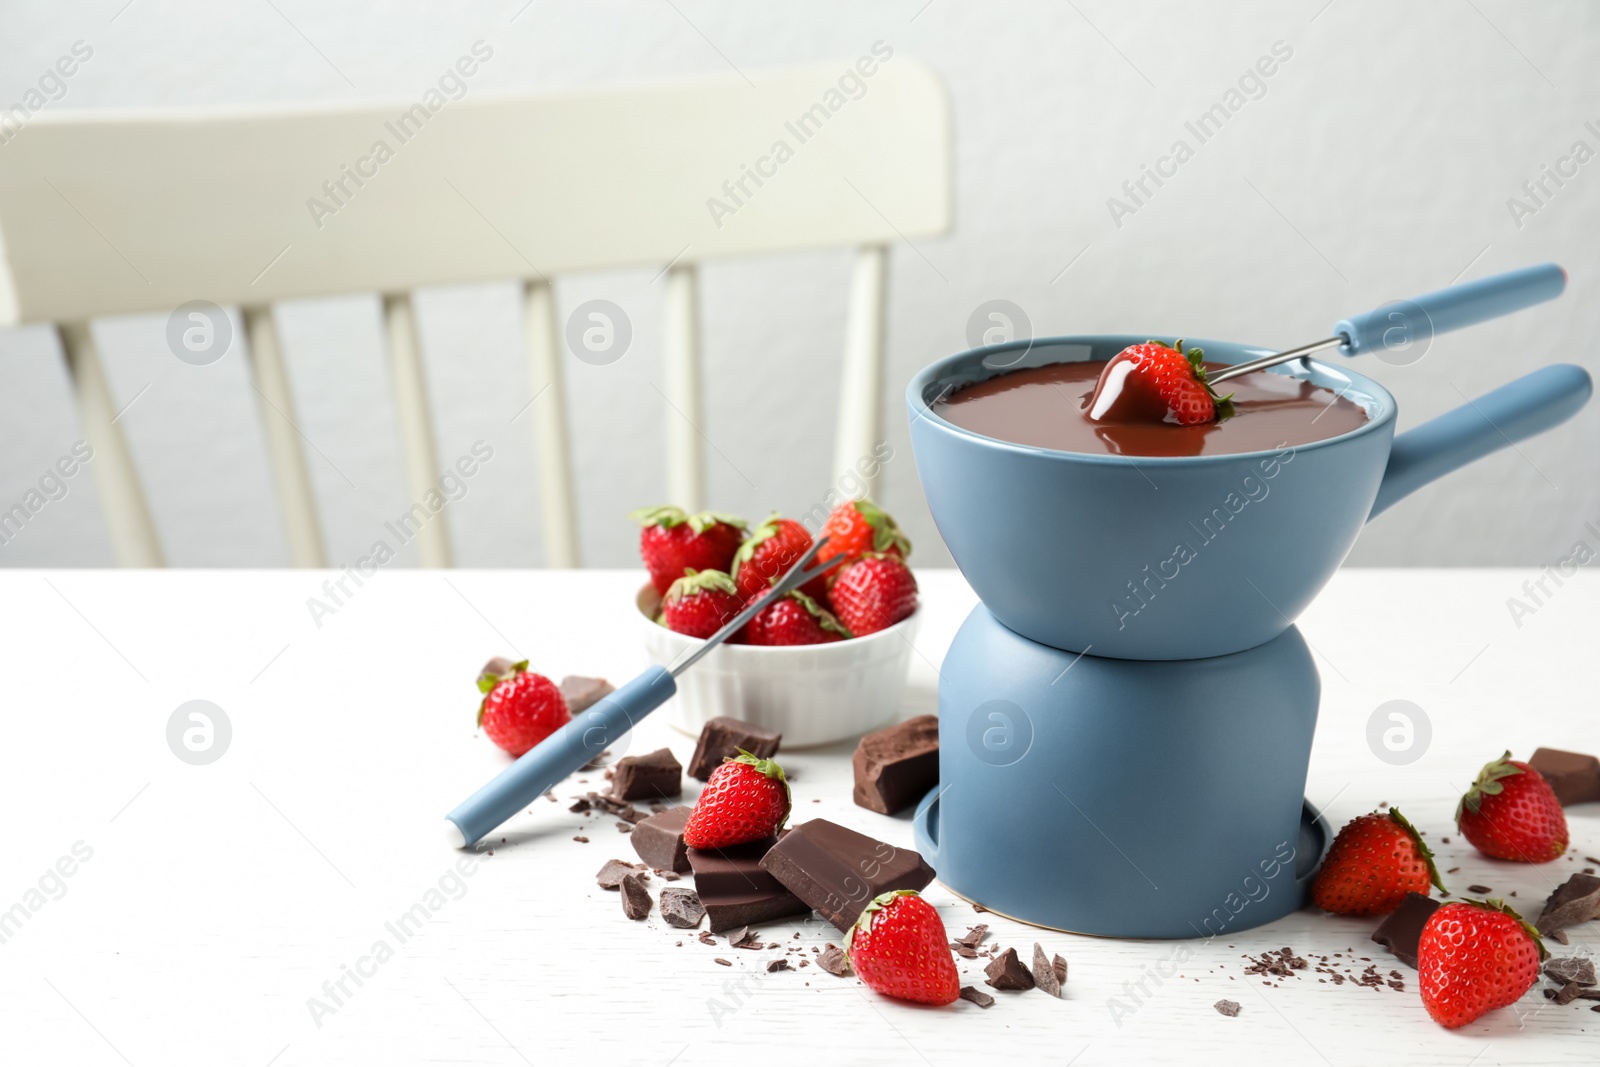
{"x": 794, "y": 578}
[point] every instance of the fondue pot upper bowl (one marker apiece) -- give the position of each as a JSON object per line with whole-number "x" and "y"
{"x": 1162, "y": 558}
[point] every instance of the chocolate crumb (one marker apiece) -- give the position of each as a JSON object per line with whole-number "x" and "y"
{"x": 974, "y": 936}
{"x": 580, "y": 806}
{"x": 779, "y": 964}
{"x": 984, "y": 1000}
{"x": 725, "y": 963}
{"x": 1480, "y": 889}
{"x": 580, "y": 839}
{"x": 1452, "y": 870}
{"x": 1230, "y": 1008}
{"x": 681, "y": 908}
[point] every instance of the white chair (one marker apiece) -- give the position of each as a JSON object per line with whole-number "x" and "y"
{"x": 217, "y": 205}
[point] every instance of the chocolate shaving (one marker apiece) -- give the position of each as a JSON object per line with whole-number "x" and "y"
{"x": 745, "y": 938}
{"x": 834, "y": 961}
{"x": 635, "y": 897}
{"x": 1044, "y": 972}
{"x": 1571, "y": 969}
{"x": 725, "y": 963}
{"x": 977, "y": 996}
{"x": 1577, "y": 900}
{"x": 974, "y": 937}
{"x": 779, "y": 964}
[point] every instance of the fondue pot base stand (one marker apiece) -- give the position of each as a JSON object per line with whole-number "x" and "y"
{"x": 1122, "y": 798}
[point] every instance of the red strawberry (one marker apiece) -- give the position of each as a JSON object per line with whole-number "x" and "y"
{"x": 900, "y": 949}
{"x": 519, "y": 708}
{"x": 769, "y": 551}
{"x": 746, "y": 799}
{"x": 1473, "y": 957}
{"x": 873, "y": 593}
{"x": 700, "y": 604}
{"x": 1511, "y": 813}
{"x": 860, "y": 526}
{"x": 672, "y": 542}
{"x": 794, "y": 619}
{"x": 1374, "y": 862}
{"x": 1154, "y": 383}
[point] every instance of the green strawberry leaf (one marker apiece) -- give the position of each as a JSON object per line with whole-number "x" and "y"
{"x": 885, "y": 531}
{"x": 768, "y": 529}
{"x": 879, "y": 902}
{"x": 663, "y": 515}
{"x": 1488, "y": 784}
{"x": 1427, "y": 853}
{"x": 825, "y": 618}
{"x": 702, "y": 521}
{"x": 694, "y": 582}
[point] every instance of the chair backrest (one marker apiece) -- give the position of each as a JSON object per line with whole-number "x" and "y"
{"x": 115, "y": 212}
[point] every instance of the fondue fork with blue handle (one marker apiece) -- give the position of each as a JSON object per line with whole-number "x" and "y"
{"x": 1403, "y": 323}
{"x": 589, "y": 732}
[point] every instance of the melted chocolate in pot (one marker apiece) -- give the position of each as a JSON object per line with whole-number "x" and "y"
{"x": 1046, "y": 407}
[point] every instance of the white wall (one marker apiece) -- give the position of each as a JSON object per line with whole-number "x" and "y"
{"x": 1377, "y": 164}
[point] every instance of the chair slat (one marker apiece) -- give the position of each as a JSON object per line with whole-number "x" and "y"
{"x": 860, "y": 425}
{"x": 684, "y": 418}
{"x": 429, "y": 529}
{"x": 133, "y": 532}
{"x": 287, "y": 457}
{"x": 548, "y": 414}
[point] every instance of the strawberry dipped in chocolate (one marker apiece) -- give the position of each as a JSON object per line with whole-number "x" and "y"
{"x": 1154, "y": 383}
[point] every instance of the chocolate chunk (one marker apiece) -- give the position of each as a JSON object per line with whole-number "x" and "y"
{"x": 1007, "y": 972}
{"x": 838, "y": 871}
{"x": 1571, "y": 969}
{"x": 1575, "y": 777}
{"x": 656, "y": 774}
{"x": 977, "y": 996}
{"x": 1577, "y": 900}
{"x": 1480, "y": 889}
{"x": 1401, "y": 929}
{"x": 896, "y": 767}
{"x": 635, "y": 897}
{"x": 498, "y": 667}
{"x": 1044, "y": 973}
{"x": 681, "y": 908}
{"x": 659, "y": 840}
{"x": 1568, "y": 993}
{"x": 610, "y": 876}
{"x": 1230, "y": 1008}
{"x": 579, "y": 806}
{"x": 777, "y": 965}
{"x": 745, "y": 938}
{"x": 734, "y": 888}
{"x": 834, "y": 961}
{"x": 722, "y": 738}
{"x": 583, "y": 693}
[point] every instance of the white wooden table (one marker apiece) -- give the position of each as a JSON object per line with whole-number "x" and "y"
{"x": 216, "y": 900}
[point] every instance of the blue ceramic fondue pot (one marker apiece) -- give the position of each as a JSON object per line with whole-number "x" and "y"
{"x": 1128, "y": 799}
{"x": 1175, "y": 558}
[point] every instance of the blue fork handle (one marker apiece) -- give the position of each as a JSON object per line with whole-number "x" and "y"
{"x": 1405, "y": 321}
{"x": 559, "y": 755}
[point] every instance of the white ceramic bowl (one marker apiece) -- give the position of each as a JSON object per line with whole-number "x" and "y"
{"x": 812, "y": 694}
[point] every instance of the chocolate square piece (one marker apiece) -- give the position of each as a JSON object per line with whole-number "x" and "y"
{"x": 583, "y": 693}
{"x": 896, "y": 767}
{"x": 659, "y": 840}
{"x": 657, "y": 774}
{"x": 723, "y": 737}
{"x": 838, "y": 871}
{"x": 1577, "y": 900}
{"x": 1575, "y": 969}
{"x": 1401, "y": 929}
{"x": 1574, "y": 776}
{"x": 735, "y": 891}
